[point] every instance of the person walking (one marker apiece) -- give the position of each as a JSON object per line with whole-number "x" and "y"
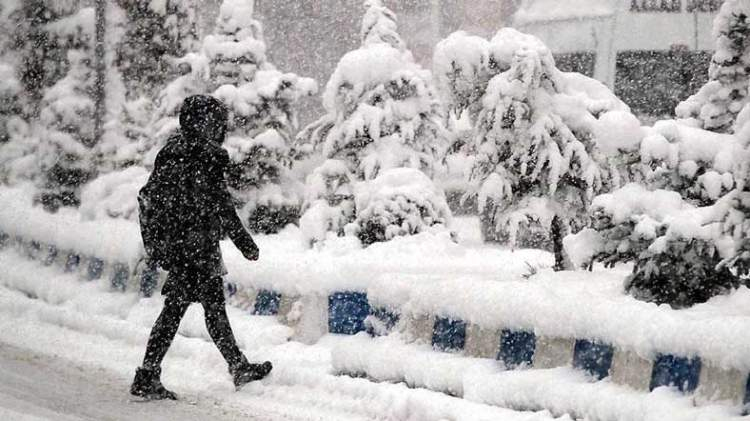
{"x": 185, "y": 209}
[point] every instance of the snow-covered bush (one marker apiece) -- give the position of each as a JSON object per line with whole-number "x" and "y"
{"x": 10, "y": 106}
{"x": 399, "y": 202}
{"x": 329, "y": 201}
{"x": 683, "y": 227}
{"x": 16, "y": 148}
{"x": 698, "y": 164}
{"x": 540, "y": 138}
{"x": 113, "y": 195}
{"x": 381, "y": 113}
{"x": 686, "y": 228}
{"x": 716, "y": 105}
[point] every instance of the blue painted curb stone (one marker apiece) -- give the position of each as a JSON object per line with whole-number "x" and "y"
{"x": 267, "y": 303}
{"x": 120, "y": 276}
{"x": 95, "y": 269}
{"x": 347, "y": 312}
{"x": 681, "y": 372}
{"x": 593, "y": 357}
{"x": 72, "y": 262}
{"x": 448, "y": 334}
{"x": 517, "y": 348}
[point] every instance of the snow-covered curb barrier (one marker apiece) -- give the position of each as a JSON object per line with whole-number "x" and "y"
{"x": 554, "y": 320}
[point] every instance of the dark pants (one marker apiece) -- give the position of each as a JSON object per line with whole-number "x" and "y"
{"x": 166, "y": 326}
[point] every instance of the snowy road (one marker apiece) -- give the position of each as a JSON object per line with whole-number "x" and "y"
{"x": 38, "y": 387}
{"x": 68, "y": 350}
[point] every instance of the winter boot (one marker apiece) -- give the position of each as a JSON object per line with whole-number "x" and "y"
{"x": 147, "y": 384}
{"x": 245, "y": 372}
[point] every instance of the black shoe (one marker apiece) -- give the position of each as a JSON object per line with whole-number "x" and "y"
{"x": 246, "y": 373}
{"x": 147, "y": 384}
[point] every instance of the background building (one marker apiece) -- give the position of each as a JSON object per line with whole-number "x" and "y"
{"x": 653, "y": 53}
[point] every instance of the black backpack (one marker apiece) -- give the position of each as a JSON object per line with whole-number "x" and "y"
{"x": 167, "y": 212}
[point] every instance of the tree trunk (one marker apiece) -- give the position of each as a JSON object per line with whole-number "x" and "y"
{"x": 557, "y": 231}
{"x": 101, "y": 70}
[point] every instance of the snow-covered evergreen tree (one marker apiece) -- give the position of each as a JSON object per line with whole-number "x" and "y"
{"x": 15, "y": 144}
{"x": 716, "y": 105}
{"x": 67, "y": 116}
{"x": 381, "y": 113}
{"x": 540, "y": 141}
{"x": 231, "y": 64}
{"x": 262, "y": 101}
{"x": 463, "y": 66}
{"x": 156, "y": 32}
{"x": 43, "y": 44}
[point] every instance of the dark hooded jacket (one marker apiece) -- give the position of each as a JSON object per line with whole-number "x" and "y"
{"x": 194, "y": 161}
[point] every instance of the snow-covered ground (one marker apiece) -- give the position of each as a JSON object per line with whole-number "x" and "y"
{"x": 83, "y": 342}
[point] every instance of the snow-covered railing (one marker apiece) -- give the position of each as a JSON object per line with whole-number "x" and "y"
{"x": 555, "y": 320}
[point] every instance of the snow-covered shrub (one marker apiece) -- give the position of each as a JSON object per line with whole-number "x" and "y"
{"x": 113, "y": 195}
{"x": 676, "y": 247}
{"x": 540, "y": 138}
{"x": 15, "y": 144}
{"x": 716, "y": 105}
{"x": 399, "y": 202}
{"x": 683, "y": 227}
{"x": 10, "y": 106}
{"x": 262, "y": 181}
{"x": 698, "y": 164}
{"x": 686, "y": 228}
{"x": 329, "y": 201}
{"x": 381, "y": 113}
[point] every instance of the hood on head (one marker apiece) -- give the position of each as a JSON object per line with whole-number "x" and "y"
{"x": 203, "y": 118}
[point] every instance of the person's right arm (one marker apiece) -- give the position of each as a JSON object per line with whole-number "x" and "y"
{"x": 230, "y": 221}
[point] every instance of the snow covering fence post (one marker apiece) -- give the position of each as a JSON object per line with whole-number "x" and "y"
{"x": 482, "y": 342}
{"x": 33, "y": 248}
{"x": 306, "y": 315}
{"x": 553, "y": 352}
{"x": 630, "y": 369}
{"x": 51, "y": 256}
{"x": 419, "y": 327}
{"x": 719, "y": 384}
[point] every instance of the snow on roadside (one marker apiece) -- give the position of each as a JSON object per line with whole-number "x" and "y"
{"x": 91, "y": 327}
{"x": 561, "y": 390}
{"x": 588, "y": 305}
